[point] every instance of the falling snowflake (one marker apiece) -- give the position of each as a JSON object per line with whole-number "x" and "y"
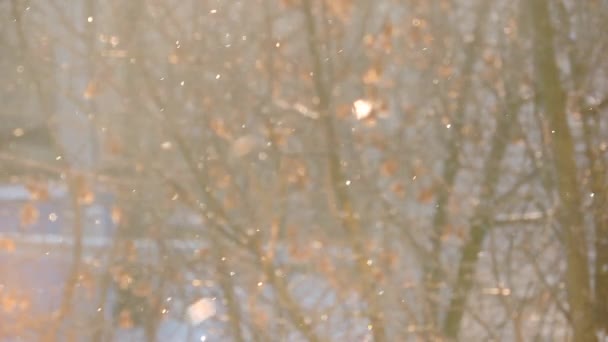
{"x": 166, "y": 145}
{"x": 201, "y": 310}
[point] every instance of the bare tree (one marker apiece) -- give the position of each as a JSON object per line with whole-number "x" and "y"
{"x": 306, "y": 169}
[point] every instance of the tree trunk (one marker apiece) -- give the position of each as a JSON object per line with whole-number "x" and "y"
{"x": 572, "y": 219}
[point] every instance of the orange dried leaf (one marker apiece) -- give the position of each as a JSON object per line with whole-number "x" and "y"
{"x": 300, "y": 253}
{"x": 243, "y": 145}
{"x": 116, "y": 215}
{"x": 87, "y": 197}
{"x": 426, "y": 195}
{"x": 7, "y": 245}
{"x": 389, "y": 167}
{"x": 114, "y": 146}
{"x": 173, "y": 58}
{"x": 9, "y": 303}
{"x": 124, "y": 281}
{"x": 229, "y": 201}
{"x": 261, "y": 319}
{"x": 398, "y": 189}
{"x": 224, "y": 181}
{"x": 124, "y": 319}
{"x": 445, "y": 71}
{"x": 219, "y": 127}
{"x": 289, "y": 3}
{"x": 142, "y": 289}
{"x": 84, "y": 194}
{"x": 340, "y": 8}
{"x": 388, "y": 29}
{"x": 29, "y": 214}
{"x": 38, "y": 191}
{"x": 297, "y": 173}
{"x": 372, "y": 76}
{"x": 344, "y": 111}
{"x": 91, "y": 90}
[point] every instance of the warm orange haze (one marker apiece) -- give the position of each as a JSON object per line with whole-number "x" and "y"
{"x": 303, "y": 170}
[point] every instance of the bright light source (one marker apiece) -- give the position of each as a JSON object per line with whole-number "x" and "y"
{"x": 362, "y": 109}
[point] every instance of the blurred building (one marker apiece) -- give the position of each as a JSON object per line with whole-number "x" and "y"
{"x": 36, "y": 258}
